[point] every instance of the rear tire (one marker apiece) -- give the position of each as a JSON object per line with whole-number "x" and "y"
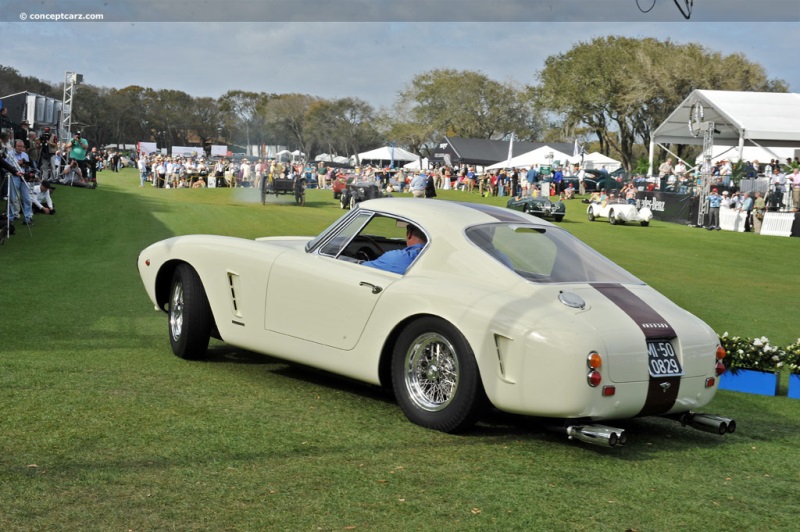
{"x": 645, "y": 224}
{"x": 558, "y": 218}
{"x": 611, "y": 219}
{"x": 435, "y": 377}
{"x": 190, "y": 318}
{"x": 590, "y": 214}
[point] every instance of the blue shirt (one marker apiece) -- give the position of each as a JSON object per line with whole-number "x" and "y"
{"x": 396, "y": 261}
{"x": 714, "y": 201}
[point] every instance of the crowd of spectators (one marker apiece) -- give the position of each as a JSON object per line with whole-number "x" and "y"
{"x": 31, "y": 162}
{"x": 162, "y": 171}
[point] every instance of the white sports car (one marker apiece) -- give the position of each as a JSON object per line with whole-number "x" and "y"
{"x": 618, "y": 211}
{"x": 486, "y": 314}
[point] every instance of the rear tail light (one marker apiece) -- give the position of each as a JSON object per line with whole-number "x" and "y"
{"x": 710, "y": 382}
{"x": 608, "y": 391}
{"x": 720, "y": 352}
{"x": 719, "y": 369}
{"x": 593, "y": 360}
{"x": 594, "y": 378}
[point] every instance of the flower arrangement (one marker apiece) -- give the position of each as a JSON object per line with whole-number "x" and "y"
{"x": 754, "y": 353}
{"x": 792, "y": 357}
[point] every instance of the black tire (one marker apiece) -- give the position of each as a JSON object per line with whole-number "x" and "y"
{"x": 190, "y": 318}
{"x": 558, "y": 217}
{"x": 353, "y": 203}
{"x": 611, "y": 219}
{"x": 645, "y": 224}
{"x": 343, "y": 202}
{"x": 435, "y": 377}
{"x": 590, "y": 214}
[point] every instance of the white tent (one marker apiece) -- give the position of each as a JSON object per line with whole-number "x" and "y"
{"x": 328, "y": 158}
{"x": 537, "y": 156}
{"x": 419, "y": 164}
{"x": 597, "y": 160}
{"x": 387, "y": 153}
{"x": 741, "y": 119}
{"x": 749, "y": 153}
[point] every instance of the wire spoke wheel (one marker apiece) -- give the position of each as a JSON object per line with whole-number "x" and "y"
{"x": 431, "y": 372}
{"x": 176, "y": 312}
{"x": 435, "y": 376}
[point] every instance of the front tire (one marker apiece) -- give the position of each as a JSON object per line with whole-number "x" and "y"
{"x": 435, "y": 377}
{"x": 190, "y": 317}
{"x": 590, "y": 215}
{"x": 645, "y": 224}
{"x": 558, "y": 217}
{"x": 611, "y": 219}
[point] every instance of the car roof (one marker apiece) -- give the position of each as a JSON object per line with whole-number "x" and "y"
{"x": 443, "y": 217}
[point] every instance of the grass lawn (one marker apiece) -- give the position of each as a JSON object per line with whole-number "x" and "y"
{"x": 102, "y": 428}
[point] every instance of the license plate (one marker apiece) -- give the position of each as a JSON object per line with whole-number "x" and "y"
{"x": 663, "y": 362}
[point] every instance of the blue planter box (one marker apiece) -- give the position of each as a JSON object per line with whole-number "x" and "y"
{"x": 794, "y": 386}
{"x": 750, "y": 381}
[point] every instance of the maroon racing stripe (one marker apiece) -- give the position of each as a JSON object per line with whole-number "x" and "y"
{"x": 662, "y": 392}
{"x": 649, "y": 321}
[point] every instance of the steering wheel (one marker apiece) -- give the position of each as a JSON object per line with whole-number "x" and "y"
{"x": 366, "y": 253}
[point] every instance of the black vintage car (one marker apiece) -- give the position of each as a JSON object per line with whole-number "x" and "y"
{"x": 295, "y": 185}
{"x": 356, "y": 192}
{"x": 541, "y": 207}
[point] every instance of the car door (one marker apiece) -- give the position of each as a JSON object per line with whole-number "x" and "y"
{"x": 318, "y": 297}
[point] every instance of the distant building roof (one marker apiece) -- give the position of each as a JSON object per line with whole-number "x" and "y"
{"x": 484, "y": 152}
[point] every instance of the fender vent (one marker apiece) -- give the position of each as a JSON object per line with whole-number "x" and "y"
{"x": 235, "y": 287}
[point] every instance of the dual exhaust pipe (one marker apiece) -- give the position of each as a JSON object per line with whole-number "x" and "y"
{"x": 612, "y": 437}
{"x": 708, "y": 423}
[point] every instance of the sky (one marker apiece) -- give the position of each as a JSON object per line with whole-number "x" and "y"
{"x": 368, "y": 49}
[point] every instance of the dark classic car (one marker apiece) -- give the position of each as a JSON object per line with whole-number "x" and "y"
{"x": 540, "y": 206}
{"x": 358, "y": 191}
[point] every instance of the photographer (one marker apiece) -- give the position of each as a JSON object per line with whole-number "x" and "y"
{"x": 78, "y": 147}
{"x": 19, "y": 188}
{"x": 73, "y": 176}
{"x": 42, "y": 202}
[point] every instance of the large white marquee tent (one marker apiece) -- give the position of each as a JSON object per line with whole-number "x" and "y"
{"x": 741, "y": 119}
{"x": 543, "y": 155}
{"x": 386, "y": 153}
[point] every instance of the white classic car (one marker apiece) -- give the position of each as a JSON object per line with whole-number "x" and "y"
{"x": 618, "y": 211}
{"x": 485, "y": 315}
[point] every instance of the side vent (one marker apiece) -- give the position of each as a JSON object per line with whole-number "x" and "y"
{"x": 235, "y": 286}
{"x": 503, "y": 346}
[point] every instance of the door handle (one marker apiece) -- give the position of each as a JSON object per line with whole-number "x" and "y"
{"x": 375, "y": 288}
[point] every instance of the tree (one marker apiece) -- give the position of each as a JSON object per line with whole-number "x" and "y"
{"x": 285, "y": 117}
{"x": 466, "y": 104}
{"x": 623, "y": 88}
{"x": 242, "y": 107}
{"x": 343, "y": 126}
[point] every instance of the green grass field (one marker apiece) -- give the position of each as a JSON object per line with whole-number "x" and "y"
{"x": 102, "y": 428}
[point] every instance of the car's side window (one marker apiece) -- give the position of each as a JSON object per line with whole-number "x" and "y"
{"x": 335, "y": 246}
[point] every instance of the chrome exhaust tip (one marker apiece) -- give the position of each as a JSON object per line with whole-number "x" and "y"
{"x": 598, "y": 435}
{"x": 709, "y": 423}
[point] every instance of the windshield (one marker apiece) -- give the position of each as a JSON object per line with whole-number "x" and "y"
{"x": 546, "y": 254}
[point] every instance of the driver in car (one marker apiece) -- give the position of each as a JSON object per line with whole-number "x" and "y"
{"x": 398, "y": 260}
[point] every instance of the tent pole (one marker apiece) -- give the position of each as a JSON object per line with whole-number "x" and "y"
{"x": 652, "y": 151}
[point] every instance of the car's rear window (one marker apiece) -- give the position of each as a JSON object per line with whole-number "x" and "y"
{"x": 546, "y": 254}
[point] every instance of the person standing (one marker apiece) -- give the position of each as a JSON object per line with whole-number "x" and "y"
{"x": 78, "y": 147}
{"x": 747, "y": 207}
{"x": 530, "y": 177}
{"x": 714, "y": 202}
{"x": 794, "y": 181}
{"x": 91, "y": 163}
{"x": 418, "y": 185}
{"x": 19, "y": 187}
{"x": 759, "y": 209}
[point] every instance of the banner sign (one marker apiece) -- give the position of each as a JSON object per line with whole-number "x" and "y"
{"x": 667, "y": 206}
